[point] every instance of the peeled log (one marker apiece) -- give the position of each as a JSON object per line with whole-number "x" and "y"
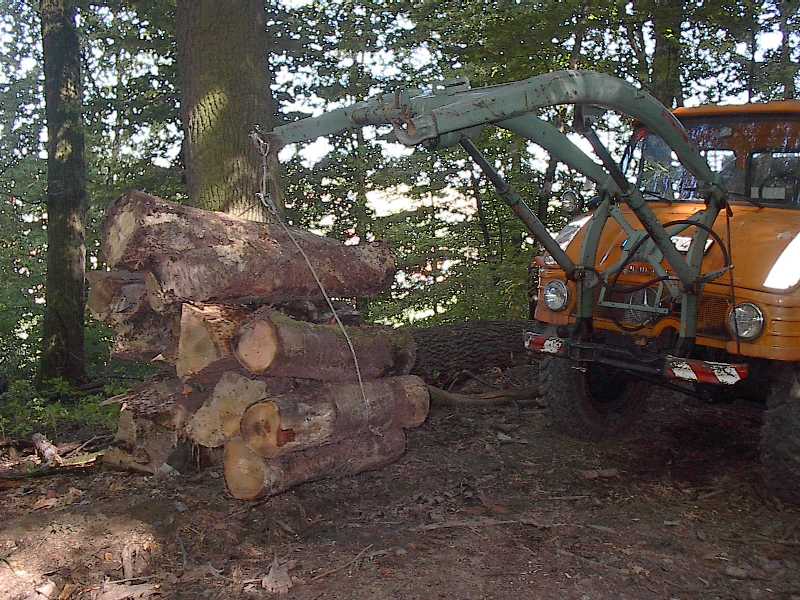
{"x": 217, "y": 420}
{"x": 205, "y": 338}
{"x": 115, "y": 296}
{"x": 297, "y": 422}
{"x": 270, "y": 343}
{"x": 250, "y": 476}
{"x": 205, "y": 256}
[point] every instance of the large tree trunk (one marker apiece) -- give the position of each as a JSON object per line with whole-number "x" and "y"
{"x": 62, "y": 329}
{"x": 665, "y": 79}
{"x": 301, "y": 421}
{"x": 249, "y": 476}
{"x": 222, "y": 57}
{"x": 201, "y": 256}
{"x": 444, "y": 352}
{"x": 270, "y": 343}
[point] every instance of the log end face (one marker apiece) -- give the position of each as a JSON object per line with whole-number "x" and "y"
{"x": 418, "y": 401}
{"x": 119, "y": 226}
{"x": 196, "y": 349}
{"x": 260, "y": 427}
{"x": 257, "y": 346}
{"x": 245, "y": 471}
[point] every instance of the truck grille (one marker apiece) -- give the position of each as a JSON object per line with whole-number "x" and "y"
{"x": 712, "y": 314}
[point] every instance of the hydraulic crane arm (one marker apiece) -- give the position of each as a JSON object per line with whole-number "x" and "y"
{"x": 453, "y": 114}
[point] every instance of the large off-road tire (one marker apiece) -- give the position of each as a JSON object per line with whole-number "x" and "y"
{"x": 597, "y": 403}
{"x": 780, "y": 434}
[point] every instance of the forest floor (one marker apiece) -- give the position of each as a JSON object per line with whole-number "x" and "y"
{"x": 486, "y": 503}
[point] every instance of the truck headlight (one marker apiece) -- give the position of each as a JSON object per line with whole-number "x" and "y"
{"x": 555, "y": 295}
{"x": 746, "y": 320}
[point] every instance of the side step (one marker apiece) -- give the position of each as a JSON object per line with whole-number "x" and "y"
{"x": 670, "y": 367}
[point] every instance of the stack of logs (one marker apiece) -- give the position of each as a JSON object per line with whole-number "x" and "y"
{"x": 254, "y": 363}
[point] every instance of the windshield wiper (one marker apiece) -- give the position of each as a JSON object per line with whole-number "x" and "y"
{"x": 653, "y": 194}
{"x": 746, "y": 197}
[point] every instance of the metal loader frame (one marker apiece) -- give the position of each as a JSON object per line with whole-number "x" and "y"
{"x": 454, "y": 114}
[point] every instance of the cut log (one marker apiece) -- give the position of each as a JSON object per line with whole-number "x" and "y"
{"x": 446, "y": 351}
{"x": 529, "y": 395}
{"x": 249, "y": 476}
{"x": 115, "y": 296}
{"x": 204, "y": 343}
{"x": 148, "y": 337}
{"x": 149, "y": 418}
{"x": 217, "y": 420}
{"x": 336, "y": 411}
{"x": 270, "y": 343}
{"x": 205, "y": 256}
{"x": 151, "y": 425}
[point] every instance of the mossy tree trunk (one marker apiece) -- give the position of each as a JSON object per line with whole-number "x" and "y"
{"x": 222, "y": 56}
{"x": 62, "y": 330}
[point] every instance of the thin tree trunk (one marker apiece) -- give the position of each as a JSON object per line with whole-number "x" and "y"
{"x": 665, "y": 82}
{"x": 222, "y": 54}
{"x": 62, "y": 330}
{"x": 788, "y": 69}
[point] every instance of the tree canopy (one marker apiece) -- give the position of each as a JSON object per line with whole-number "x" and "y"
{"x": 461, "y": 254}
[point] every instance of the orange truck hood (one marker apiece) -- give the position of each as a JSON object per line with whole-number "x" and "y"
{"x": 759, "y": 237}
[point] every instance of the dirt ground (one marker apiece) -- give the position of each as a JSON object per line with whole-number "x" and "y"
{"x": 486, "y": 504}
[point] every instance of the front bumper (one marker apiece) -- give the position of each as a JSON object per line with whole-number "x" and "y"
{"x": 666, "y": 365}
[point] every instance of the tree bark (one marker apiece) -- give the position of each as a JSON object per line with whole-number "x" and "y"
{"x": 63, "y": 353}
{"x": 150, "y": 336}
{"x": 249, "y": 476}
{"x": 335, "y": 412}
{"x": 665, "y": 79}
{"x": 202, "y": 256}
{"x": 446, "y": 351}
{"x": 116, "y": 296}
{"x": 270, "y": 343}
{"x": 222, "y": 54}
{"x": 787, "y": 68}
{"x": 217, "y": 420}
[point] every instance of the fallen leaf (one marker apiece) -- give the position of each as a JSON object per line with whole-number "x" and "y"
{"x": 116, "y": 591}
{"x": 600, "y": 474}
{"x": 278, "y": 580}
{"x": 736, "y": 572}
{"x": 72, "y": 496}
{"x": 44, "y": 503}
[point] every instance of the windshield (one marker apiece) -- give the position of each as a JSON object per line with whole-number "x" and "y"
{"x": 757, "y": 159}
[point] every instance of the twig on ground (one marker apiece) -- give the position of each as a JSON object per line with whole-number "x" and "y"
{"x": 472, "y": 376}
{"x": 526, "y": 395}
{"x": 86, "y": 443}
{"x": 474, "y": 523}
{"x": 71, "y": 465}
{"x": 355, "y": 559}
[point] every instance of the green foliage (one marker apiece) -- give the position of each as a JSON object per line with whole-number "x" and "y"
{"x": 56, "y": 409}
{"x": 462, "y": 255}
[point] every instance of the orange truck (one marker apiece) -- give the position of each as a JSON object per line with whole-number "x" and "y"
{"x": 685, "y": 270}
{"x": 748, "y": 305}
